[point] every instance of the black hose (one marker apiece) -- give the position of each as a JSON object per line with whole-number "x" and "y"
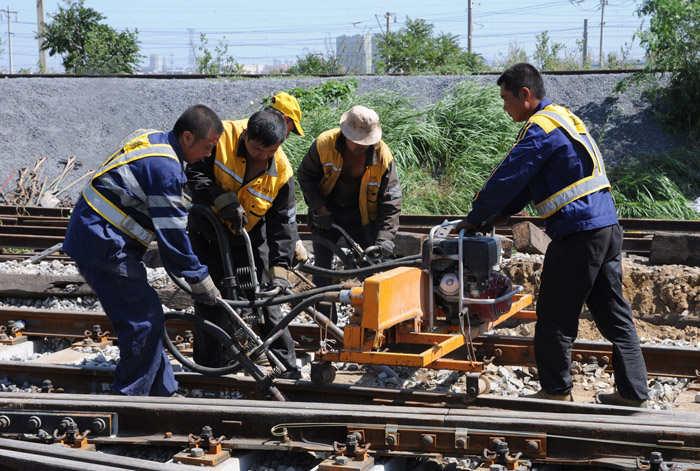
{"x": 410, "y": 261}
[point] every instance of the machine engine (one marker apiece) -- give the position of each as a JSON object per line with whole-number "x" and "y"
{"x": 480, "y": 255}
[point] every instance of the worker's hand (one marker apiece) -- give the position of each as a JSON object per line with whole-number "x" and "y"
{"x": 230, "y": 210}
{"x": 323, "y": 221}
{"x": 278, "y": 278}
{"x": 205, "y": 291}
{"x": 381, "y": 248}
{"x": 300, "y": 253}
{"x": 467, "y": 226}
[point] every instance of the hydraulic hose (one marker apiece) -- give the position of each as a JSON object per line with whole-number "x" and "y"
{"x": 410, "y": 261}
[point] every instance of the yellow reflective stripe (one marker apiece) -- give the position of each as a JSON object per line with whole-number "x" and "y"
{"x": 589, "y": 143}
{"x": 571, "y": 193}
{"x": 116, "y": 216}
{"x": 228, "y": 171}
{"x": 260, "y": 195}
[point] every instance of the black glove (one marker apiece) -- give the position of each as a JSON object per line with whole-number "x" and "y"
{"x": 205, "y": 291}
{"x": 278, "y": 278}
{"x": 381, "y": 248}
{"x": 323, "y": 221}
{"x": 230, "y": 210}
{"x": 467, "y": 226}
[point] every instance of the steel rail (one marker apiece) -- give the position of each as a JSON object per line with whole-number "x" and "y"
{"x": 573, "y": 434}
{"x": 506, "y": 350}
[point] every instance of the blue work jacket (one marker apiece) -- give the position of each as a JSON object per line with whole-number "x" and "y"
{"x": 539, "y": 165}
{"x": 149, "y": 190}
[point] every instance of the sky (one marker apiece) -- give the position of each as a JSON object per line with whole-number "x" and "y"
{"x": 271, "y": 30}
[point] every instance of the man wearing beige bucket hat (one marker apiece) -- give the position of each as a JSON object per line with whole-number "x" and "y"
{"x": 348, "y": 178}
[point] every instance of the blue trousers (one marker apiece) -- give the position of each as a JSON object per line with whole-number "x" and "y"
{"x": 136, "y": 313}
{"x": 586, "y": 267}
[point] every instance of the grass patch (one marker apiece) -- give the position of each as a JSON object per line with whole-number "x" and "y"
{"x": 444, "y": 154}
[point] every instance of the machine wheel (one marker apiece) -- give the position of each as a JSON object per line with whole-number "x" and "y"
{"x": 484, "y": 385}
{"x": 322, "y": 372}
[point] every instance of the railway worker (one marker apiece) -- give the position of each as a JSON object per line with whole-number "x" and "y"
{"x": 348, "y": 177}
{"x": 249, "y": 182}
{"x": 556, "y": 164}
{"x": 134, "y": 199}
{"x": 288, "y": 107}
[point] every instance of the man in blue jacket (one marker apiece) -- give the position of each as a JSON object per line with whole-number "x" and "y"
{"x": 133, "y": 199}
{"x": 556, "y": 163}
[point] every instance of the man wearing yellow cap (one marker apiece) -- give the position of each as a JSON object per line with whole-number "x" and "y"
{"x": 288, "y": 106}
{"x": 249, "y": 183}
{"x": 348, "y": 178}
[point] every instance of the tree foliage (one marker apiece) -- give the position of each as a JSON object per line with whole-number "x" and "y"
{"x": 316, "y": 63}
{"x": 415, "y": 49}
{"x": 672, "y": 43}
{"x": 547, "y": 54}
{"x": 220, "y": 62}
{"x": 88, "y": 46}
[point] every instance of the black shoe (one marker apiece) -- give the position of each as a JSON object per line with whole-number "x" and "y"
{"x": 290, "y": 374}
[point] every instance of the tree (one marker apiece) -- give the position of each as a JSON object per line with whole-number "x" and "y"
{"x": 88, "y": 46}
{"x": 547, "y": 55}
{"x": 317, "y": 63}
{"x": 414, "y": 49}
{"x": 672, "y": 43}
{"x": 221, "y": 62}
{"x": 516, "y": 54}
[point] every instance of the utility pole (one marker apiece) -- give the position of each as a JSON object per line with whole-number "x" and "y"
{"x": 602, "y": 24}
{"x": 585, "y": 42}
{"x": 9, "y": 13}
{"x": 388, "y": 22}
{"x": 469, "y": 26}
{"x": 40, "y": 31}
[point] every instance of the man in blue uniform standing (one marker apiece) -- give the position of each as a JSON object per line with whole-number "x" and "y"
{"x": 556, "y": 163}
{"x": 134, "y": 199}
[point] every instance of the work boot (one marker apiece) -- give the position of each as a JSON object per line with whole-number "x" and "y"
{"x": 541, "y": 394}
{"x": 615, "y": 399}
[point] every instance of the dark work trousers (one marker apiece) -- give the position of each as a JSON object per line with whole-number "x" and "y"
{"x": 350, "y": 220}
{"x": 136, "y": 313}
{"x": 207, "y": 350}
{"x": 586, "y": 267}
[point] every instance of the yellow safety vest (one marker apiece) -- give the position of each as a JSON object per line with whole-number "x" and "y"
{"x": 135, "y": 146}
{"x": 550, "y": 118}
{"x": 258, "y": 194}
{"x": 332, "y": 162}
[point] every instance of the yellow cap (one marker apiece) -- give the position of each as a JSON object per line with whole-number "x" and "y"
{"x": 289, "y": 106}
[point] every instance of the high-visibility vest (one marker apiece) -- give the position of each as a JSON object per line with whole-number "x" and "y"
{"x": 133, "y": 147}
{"x": 553, "y": 117}
{"x": 258, "y": 194}
{"x": 332, "y": 162}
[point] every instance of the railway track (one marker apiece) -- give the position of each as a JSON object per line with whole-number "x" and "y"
{"x": 24, "y": 232}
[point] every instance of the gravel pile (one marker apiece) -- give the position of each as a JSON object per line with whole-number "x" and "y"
{"x": 86, "y": 117}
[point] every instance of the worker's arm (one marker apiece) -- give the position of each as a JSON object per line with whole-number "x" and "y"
{"x": 169, "y": 218}
{"x": 309, "y": 174}
{"x": 389, "y": 204}
{"x": 506, "y": 190}
{"x": 201, "y": 180}
{"x": 281, "y": 227}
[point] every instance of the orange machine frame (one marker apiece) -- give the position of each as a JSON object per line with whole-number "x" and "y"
{"x": 390, "y": 308}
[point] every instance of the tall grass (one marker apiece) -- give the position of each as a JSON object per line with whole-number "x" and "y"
{"x": 444, "y": 154}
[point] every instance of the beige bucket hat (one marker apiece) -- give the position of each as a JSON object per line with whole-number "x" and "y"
{"x": 361, "y": 125}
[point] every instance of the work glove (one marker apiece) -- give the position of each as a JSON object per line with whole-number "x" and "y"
{"x": 230, "y": 210}
{"x": 278, "y": 278}
{"x": 323, "y": 221}
{"x": 381, "y": 248}
{"x": 205, "y": 291}
{"x": 467, "y": 226}
{"x": 300, "y": 253}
